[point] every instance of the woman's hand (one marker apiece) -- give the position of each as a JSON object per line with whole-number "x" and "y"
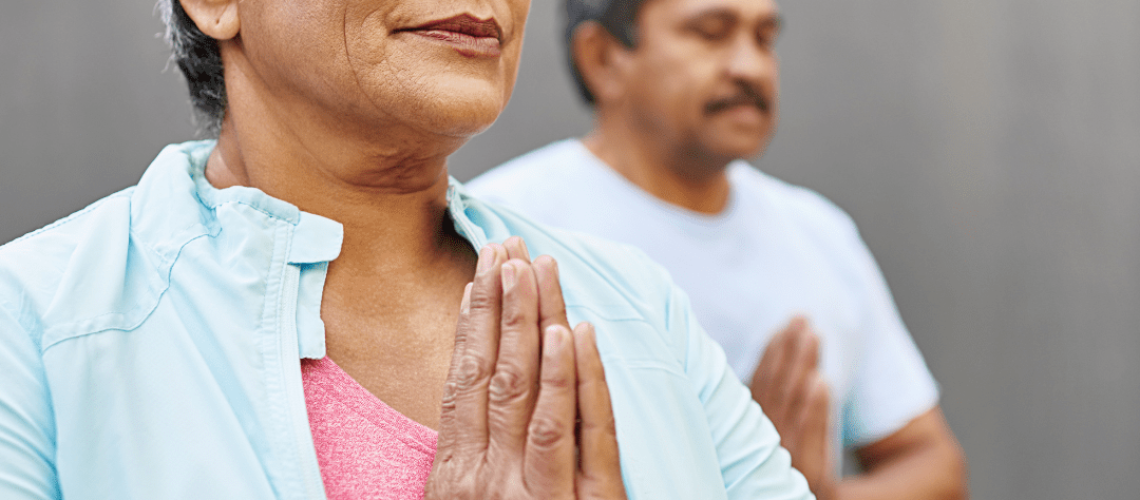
{"x": 513, "y": 395}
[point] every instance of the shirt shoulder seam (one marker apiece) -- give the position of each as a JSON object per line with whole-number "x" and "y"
{"x": 120, "y": 321}
{"x": 125, "y": 193}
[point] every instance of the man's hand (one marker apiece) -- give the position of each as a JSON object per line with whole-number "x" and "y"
{"x": 512, "y": 397}
{"x": 793, "y": 394}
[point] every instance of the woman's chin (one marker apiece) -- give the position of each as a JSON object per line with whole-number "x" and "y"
{"x": 459, "y": 114}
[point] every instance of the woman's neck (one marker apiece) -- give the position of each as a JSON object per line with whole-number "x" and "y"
{"x": 393, "y": 207}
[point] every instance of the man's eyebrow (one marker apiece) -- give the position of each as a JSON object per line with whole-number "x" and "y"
{"x": 773, "y": 21}
{"x": 719, "y": 13}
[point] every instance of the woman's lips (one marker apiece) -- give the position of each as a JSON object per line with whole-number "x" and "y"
{"x": 468, "y": 35}
{"x": 465, "y": 44}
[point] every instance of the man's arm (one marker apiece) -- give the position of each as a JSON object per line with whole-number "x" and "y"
{"x": 920, "y": 461}
{"x": 893, "y": 394}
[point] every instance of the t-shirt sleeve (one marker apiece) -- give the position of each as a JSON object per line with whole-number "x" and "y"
{"x": 892, "y": 384}
{"x": 27, "y": 436}
{"x": 752, "y": 462}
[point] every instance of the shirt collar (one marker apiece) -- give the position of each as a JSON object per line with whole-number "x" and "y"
{"x": 175, "y": 198}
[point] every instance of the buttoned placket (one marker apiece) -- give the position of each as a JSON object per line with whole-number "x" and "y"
{"x": 313, "y": 242}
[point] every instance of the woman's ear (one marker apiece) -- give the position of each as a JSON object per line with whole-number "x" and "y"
{"x": 218, "y": 19}
{"x": 597, "y": 56}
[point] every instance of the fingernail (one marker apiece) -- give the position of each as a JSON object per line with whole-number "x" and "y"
{"x": 485, "y": 257}
{"x": 548, "y": 262}
{"x": 509, "y": 278}
{"x": 585, "y": 331}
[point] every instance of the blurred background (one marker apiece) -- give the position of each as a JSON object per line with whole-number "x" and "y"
{"x": 988, "y": 149}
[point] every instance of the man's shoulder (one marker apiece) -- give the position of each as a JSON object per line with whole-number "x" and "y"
{"x": 534, "y": 176}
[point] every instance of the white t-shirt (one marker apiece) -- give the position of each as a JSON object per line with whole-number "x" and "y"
{"x": 775, "y": 251}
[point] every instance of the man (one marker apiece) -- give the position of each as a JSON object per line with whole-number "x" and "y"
{"x": 308, "y": 307}
{"x": 682, "y": 90}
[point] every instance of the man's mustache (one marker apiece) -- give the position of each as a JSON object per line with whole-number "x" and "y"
{"x": 745, "y": 95}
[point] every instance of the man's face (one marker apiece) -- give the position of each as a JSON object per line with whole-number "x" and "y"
{"x": 704, "y": 74}
{"x": 439, "y": 66}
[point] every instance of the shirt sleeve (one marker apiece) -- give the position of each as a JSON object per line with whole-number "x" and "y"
{"x": 752, "y": 462}
{"x": 27, "y": 432}
{"x": 892, "y": 384}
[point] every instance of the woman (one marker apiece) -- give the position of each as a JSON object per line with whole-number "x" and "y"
{"x": 280, "y": 312}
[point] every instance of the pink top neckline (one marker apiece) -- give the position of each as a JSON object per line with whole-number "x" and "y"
{"x": 365, "y": 448}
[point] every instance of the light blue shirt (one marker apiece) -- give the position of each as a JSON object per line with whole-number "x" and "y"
{"x": 150, "y": 348}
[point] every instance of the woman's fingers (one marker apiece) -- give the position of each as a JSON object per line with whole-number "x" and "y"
{"x": 513, "y": 387}
{"x": 513, "y": 392}
{"x": 516, "y": 249}
{"x": 548, "y": 468}
{"x": 447, "y": 424}
{"x": 551, "y": 306}
{"x": 600, "y": 466}
{"x": 479, "y": 334}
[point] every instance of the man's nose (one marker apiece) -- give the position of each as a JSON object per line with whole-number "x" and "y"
{"x": 750, "y": 61}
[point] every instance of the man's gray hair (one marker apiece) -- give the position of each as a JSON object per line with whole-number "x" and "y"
{"x": 200, "y": 61}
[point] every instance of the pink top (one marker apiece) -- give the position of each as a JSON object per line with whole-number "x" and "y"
{"x": 366, "y": 449}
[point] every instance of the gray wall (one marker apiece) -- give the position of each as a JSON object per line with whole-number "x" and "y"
{"x": 989, "y": 150}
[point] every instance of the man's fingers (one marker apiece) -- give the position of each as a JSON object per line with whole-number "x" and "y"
{"x": 599, "y": 460}
{"x": 513, "y": 387}
{"x": 551, "y": 306}
{"x": 772, "y": 371}
{"x": 811, "y": 453}
{"x": 479, "y": 331}
{"x": 801, "y": 368}
{"x": 549, "y": 461}
{"x": 816, "y": 411}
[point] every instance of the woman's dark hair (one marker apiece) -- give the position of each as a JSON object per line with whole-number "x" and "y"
{"x": 618, "y": 17}
{"x": 200, "y": 61}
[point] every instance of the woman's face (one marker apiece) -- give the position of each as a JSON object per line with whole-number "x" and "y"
{"x": 442, "y": 67}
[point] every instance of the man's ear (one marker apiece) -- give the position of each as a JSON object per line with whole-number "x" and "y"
{"x": 598, "y": 57}
{"x": 218, "y": 19}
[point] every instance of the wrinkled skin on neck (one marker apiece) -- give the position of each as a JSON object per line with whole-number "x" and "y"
{"x": 347, "y": 110}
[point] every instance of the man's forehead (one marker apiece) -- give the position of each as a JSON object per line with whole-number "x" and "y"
{"x": 743, "y": 8}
